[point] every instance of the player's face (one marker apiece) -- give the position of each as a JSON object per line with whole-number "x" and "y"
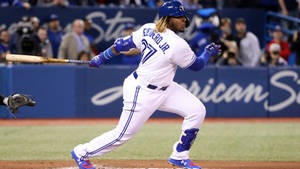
{"x": 177, "y": 24}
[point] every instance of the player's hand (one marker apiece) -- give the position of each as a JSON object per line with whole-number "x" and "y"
{"x": 96, "y": 61}
{"x": 212, "y": 49}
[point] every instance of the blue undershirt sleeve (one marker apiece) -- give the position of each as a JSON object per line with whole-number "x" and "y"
{"x": 200, "y": 62}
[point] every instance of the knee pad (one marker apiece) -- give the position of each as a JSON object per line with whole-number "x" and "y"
{"x": 187, "y": 139}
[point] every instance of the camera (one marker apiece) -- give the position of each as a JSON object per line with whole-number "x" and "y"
{"x": 26, "y": 41}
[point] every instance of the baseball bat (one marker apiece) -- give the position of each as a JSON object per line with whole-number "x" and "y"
{"x": 38, "y": 59}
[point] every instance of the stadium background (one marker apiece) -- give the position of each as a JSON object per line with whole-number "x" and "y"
{"x": 77, "y": 92}
{"x": 75, "y": 87}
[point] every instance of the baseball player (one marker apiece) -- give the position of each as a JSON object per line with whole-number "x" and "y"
{"x": 151, "y": 87}
{"x": 15, "y": 101}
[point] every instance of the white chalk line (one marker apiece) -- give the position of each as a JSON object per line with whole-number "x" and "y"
{"x": 118, "y": 168}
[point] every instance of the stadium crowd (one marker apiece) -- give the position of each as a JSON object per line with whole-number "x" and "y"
{"x": 239, "y": 48}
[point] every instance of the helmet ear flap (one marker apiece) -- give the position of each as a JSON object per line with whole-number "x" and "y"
{"x": 187, "y": 21}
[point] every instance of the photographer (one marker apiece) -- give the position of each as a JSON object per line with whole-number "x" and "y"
{"x": 295, "y": 47}
{"x": 26, "y": 42}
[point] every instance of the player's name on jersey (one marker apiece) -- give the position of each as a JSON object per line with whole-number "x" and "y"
{"x": 157, "y": 38}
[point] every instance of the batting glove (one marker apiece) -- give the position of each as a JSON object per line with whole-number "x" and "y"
{"x": 212, "y": 49}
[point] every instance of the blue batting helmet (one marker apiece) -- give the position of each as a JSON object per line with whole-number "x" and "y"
{"x": 173, "y": 8}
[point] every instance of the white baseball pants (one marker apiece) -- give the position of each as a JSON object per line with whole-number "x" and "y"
{"x": 140, "y": 103}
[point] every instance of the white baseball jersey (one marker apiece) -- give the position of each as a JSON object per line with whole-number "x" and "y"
{"x": 161, "y": 53}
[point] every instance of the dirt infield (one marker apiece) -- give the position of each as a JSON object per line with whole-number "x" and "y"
{"x": 109, "y": 164}
{"x": 45, "y": 122}
{"x": 138, "y": 164}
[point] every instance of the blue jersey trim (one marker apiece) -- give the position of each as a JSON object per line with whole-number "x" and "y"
{"x": 193, "y": 60}
{"x": 200, "y": 62}
{"x": 124, "y": 44}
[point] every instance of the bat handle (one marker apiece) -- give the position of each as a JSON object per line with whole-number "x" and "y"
{"x": 78, "y": 61}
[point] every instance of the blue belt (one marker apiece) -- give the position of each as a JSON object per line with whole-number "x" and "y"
{"x": 150, "y": 86}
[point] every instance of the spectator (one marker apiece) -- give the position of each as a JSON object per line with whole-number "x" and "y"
{"x": 241, "y": 4}
{"x": 227, "y": 38}
{"x": 109, "y": 2}
{"x": 2, "y": 54}
{"x": 289, "y": 7}
{"x": 87, "y": 30}
{"x": 131, "y": 2}
{"x": 5, "y": 3}
{"x": 273, "y": 58}
{"x": 35, "y": 22}
{"x": 229, "y": 59}
{"x": 133, "y": 56}
{"x": 25, "y": 41}
{"x": 209, "y": 3}
{"x": 225, "y": 27}
{"x": 249, "y": 50}
{"x": 74, "y": 42}
{"x": 295, "y": 46}
{"x": 154, "y": 3}
{"x": 284, "y": 46}
{"x": 83, "y": 2}
{"x": 46, "y": 48}
{"x": 88, "y": 34}
{"x": 84, "y": 56}
{"x": 61, "y": 3}
{"x": 4, "y": 41}
{"x": 269, "y": 5}
{"x": 55, "y": 33}
{"x": 190, "y": 4}
{"x": 159, "y": 3}
{"x": 128, "y": 29}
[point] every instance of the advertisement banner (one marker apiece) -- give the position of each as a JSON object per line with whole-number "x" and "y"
{"x": 79, "y": 91}
{"x": 241, "y": 92}
{"x": 53, "y": 88}
{"x": 284, "y": 92}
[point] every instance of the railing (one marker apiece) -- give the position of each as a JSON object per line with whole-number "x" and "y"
{"x": 289, "y": 25}
{"x": 273, "y": 19}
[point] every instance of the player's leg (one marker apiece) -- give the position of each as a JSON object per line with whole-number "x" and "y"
{"x": 182, "y": 102}
{"x": 139, "y": 105}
